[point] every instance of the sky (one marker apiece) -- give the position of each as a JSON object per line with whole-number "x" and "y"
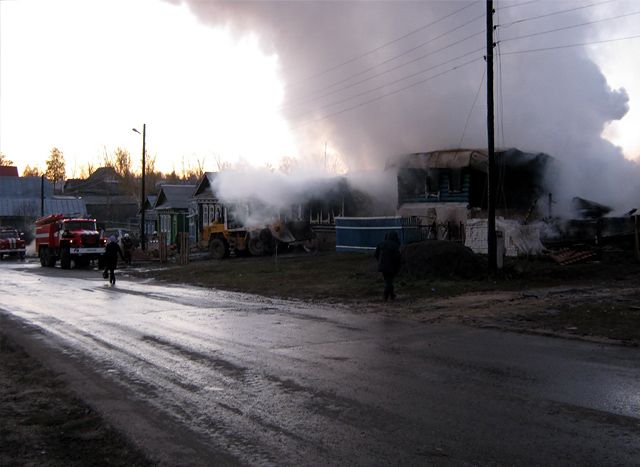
{"x": 341, "y": 86}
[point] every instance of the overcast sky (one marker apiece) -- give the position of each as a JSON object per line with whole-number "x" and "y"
{"x": 358, "y": 81}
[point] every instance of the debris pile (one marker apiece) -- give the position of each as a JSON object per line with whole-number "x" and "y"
{"x": 438, "y": 258}
{"x": 566, "y": 256}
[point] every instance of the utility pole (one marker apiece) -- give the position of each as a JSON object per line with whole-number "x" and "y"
{"x": 325, "y": 156}
{"x": 142, "y": 194}
{"x": 142, "y": 190}
{"x": 42, "y": 196}
{"x": 491, "y": 170}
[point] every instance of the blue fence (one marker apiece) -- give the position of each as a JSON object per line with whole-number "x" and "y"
{"x": 364, "y": 233}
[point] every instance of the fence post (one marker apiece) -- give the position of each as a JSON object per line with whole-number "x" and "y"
{"x": 162, "y": 247}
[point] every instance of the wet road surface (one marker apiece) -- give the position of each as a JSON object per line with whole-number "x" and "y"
{"x": 202, "y": 377}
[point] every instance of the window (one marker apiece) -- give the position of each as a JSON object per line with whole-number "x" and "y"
{"x": 455, "y": 181}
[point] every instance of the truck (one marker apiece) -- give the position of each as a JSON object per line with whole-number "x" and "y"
{"x": 11, "y": 243}
{"x": 257, "y": 241}
{"x": 67, "y": 239}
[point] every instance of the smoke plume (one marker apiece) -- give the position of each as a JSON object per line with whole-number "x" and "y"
{"x": 555, "y": 100}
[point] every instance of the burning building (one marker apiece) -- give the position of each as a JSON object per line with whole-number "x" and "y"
{"x": 446, "y": 188}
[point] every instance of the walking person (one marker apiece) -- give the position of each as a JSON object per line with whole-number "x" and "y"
{"x": 389, "y": 260}
{"x": 111, "y": 259}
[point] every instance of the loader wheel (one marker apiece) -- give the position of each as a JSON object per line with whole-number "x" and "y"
{"x": 256, "y": 247}
{"x": 65, "y": 259}
{"x": 218, "y": 248}
{"x": 311, "y": 246}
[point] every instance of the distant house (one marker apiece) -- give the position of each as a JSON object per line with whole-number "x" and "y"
{"x": 8, "y": 171}
{"x": 150, "y": 215}
{"x": 204, "y": 206}
{"x": 172, "y": 208}
{"x": 106, "y": 197}
{"x": 24, "y": 199}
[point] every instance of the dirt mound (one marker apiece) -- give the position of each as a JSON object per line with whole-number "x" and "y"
{"x": 435, "y": 258}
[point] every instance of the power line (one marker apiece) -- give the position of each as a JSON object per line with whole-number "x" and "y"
{"x": 516, "y": 5}
{"x": 328, "y": 93}
{"x": 413, "y": 75}
{"x": 393, "y": 41}
{"x": 475, "y": 99}
{"x": 546, "y": 15}
{"x": 390, "y": 93}
{"x": 298, "y": 101}
{"x": 580, "y": 44}
{"x": 564, "y": 28}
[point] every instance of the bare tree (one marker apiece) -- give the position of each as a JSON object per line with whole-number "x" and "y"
{"x": 287, "y": 164}
{"x": 122, "y": 162}
{"x": 87, "y": 170}
{"x": 221, "y": 164}
{"x": 152, "y": 176}
{"x": 191, "y": 173}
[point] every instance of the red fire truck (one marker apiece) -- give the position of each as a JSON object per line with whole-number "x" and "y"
{"x": 65, "y": 239}
{"x": 11, "y": 243}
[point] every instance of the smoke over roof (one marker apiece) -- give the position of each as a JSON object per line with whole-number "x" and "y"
{"x": 555, "y": 100}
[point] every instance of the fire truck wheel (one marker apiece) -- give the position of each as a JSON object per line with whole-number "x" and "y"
{"x": 43, "y": 259}
{"x": 218, "y": 248}
{"x": 101, "y": 262}
{"x": 22, "y": 255}
{"x": 51, "y": 259}
{"x": 65, "y": 259}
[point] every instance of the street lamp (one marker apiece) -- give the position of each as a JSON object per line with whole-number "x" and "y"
{"x": 142, "y": 196}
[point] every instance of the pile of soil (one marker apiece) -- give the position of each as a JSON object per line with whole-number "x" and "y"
{"x": 441, "y": 259}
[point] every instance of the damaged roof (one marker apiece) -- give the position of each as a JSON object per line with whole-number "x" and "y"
{"x": 460, "y": 158}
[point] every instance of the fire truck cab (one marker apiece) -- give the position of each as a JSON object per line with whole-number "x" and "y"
{"x": 11, "y": 243}
{"x": 66, "y": 239}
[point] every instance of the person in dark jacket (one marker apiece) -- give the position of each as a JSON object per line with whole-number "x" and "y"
{"x": 389, "y": 259}
{"x": 127, "y": 246}
{"x": 111, "y": 254}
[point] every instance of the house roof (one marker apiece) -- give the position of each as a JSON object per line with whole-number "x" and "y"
{"x": 204, "y": 187}
{"x": 110, "y": 200}
{"x": 150, "y": 201}
{"x": 8, "y": 171}
{"x": 24, "y": 187}
{"x": 30, "y": 207}
{"x": 174, "y": 197}
{"x": 445, "y": 159}
{"x": 104, "y": 181}
{"x": 459, "y": 158}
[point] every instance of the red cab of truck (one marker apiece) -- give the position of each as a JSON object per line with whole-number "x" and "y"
{"x": 11, "y": 243}
{"x": 66, "y": 239}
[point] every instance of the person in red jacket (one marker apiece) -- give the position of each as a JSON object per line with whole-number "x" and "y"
{"x": 112, "y": 251}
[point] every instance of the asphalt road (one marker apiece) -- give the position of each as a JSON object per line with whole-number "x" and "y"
{"x": 202, "y": 377}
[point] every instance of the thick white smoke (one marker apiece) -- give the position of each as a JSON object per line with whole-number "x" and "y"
{"x": 555, "y": 101}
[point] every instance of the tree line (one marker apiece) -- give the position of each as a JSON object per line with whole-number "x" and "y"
{"x": 120, "y": 161}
